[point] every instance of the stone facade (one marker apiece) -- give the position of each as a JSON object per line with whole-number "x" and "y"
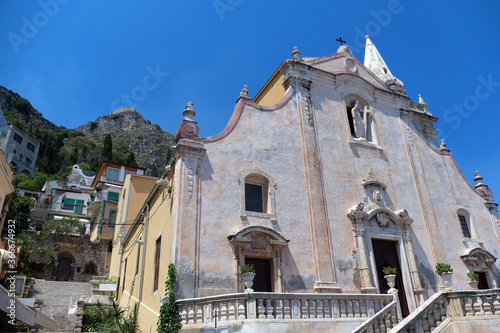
{"x": 330, "y": 174}
{"x": 87, "y": 259}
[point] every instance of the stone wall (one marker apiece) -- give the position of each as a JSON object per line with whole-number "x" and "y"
{"x": 81, "y": 252}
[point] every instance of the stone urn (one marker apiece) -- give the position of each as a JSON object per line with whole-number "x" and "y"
{"x": 473, "y": 285}
{"x": 446, "y": 280}
{"x": 391, "y": 281}
{"x": 248, "y": 279}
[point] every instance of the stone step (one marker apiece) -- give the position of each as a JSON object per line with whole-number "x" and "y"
{"x": 56, "y": 296}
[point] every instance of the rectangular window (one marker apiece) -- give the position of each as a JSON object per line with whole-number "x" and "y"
{"x": 124, "y": 274}
{"x": 79, "y": 204}
{"x": 464, "y": 226}
{"x": 68, "y": 204}
{"x": 18, "y": 138}
{"x": 253, "y": 198}
{"x": 28, "y": 160}
{"x": 30, "y": 146}
{"x": 112, "y": 217}
{"x": 113, "y": 174}
{"x": 157, "y": 264}
{"x": 113, "y": 196}
{"x": 138, "y": 256}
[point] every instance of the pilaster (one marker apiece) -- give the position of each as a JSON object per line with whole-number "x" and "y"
{"x": 314, "y": 184}
{"x": 186, "y": 214}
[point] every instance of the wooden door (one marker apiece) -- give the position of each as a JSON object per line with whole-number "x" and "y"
{"x": 262, "y": 280}
{"x": 386, "y": 254}
{"x": 63, "y": 269}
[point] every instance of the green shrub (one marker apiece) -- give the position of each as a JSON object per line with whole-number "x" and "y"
{"x": 247, "y": 269}
{"x": 388, "y": 270}
{"x": 442, "y": 268}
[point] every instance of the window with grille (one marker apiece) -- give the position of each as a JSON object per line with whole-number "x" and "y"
{"x": 464, "y": 226}
{"x": 253, "y": 198}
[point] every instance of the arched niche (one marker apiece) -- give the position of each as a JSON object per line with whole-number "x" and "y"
{"x": 480, "y": 260}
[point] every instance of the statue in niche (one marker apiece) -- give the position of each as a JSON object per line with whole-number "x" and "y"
{"x": 377, "y": 196}
{"x": 360, "y": 121}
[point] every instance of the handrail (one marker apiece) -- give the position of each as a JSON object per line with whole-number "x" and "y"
{"x": 374, "y": 321}
{"x": 414, "y": 318}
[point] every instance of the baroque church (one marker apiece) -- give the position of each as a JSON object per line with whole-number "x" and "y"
{"x": 328, "y": 175}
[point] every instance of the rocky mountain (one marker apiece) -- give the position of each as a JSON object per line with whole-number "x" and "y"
{"x": 20, "y": 110}
{"x": 149, "y": 142}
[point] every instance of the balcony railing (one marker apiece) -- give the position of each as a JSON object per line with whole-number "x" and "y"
{"x": 280, "y": 306}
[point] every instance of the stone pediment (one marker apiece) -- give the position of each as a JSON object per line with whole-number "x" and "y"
{"x": 478, "y": 258}
{"x": 344, "y": 63}
{"x": 381, "y": 215}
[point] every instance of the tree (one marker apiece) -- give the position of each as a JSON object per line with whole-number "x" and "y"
{"x": 73, "y": 158}
{"x": 107, "y": 150}
{"x": 19, "y": 210}
{"x": 169, "y": 320}
{"x": 131, "y": 159}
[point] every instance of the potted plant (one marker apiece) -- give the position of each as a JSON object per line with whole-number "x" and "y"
{"x": 473, "y": 280}
{"x": 248, "y": 274}
{"x": 445, "y": 271}
{"x": 390, "y": 276}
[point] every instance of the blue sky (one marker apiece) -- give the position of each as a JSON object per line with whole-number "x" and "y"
{"x": 75, "y": 60}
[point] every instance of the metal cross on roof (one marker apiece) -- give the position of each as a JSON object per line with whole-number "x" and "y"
{"x": 342, "y": 42}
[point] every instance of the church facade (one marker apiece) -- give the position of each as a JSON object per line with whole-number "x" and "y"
{"x": 328, "y": 175}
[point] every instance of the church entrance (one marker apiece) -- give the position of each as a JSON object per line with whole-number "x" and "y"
{"x": 386, "y": 254}
{"x": 63, "y": 269}
{"x": 262, "y": 280}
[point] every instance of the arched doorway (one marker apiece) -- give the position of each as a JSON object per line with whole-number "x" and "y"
{"x": 261, "y": 247}
{"x": 63, "y": 269}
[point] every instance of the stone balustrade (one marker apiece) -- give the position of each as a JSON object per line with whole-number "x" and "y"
{"x": 449, "y": 305}
{"x": 384, "y": 320}
{"x": 280, "y": 306}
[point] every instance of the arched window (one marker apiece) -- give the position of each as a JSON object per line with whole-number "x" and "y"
{"x": 256, "y": 193}
{"x": 90, "y": 268}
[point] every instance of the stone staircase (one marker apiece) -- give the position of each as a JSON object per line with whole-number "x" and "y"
{"x": 56, "y": 297}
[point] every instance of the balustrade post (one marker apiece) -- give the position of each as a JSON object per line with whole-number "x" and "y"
{"x": 487, "y": 305}
{"x": 251, "y": 308}
{"x": 286, "y": 308}
{"x": 191, "y": 314}
{"x": 207, "y": 313}
{"x": 199, "y": 315}
{"x": 326, "y": 309}
{"x": 184, "y": 315}
{"x": 232, "y": 311}
{"x": 295, "y": 309}
{"x": 304, "y": 309}
{"x": 319, "y": 309}
{"x": 312, "y": 309}
{"x": 261, "y": 309}
{"x": 269, "y": 308}
{"x": 223, "y": 312}
{"x": 279, "y": 309}
{"x": 241, "y": 310}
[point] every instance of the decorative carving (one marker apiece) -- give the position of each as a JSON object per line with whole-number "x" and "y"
{"x": 259, "y": 242}
{"x": 188, "y": 129}
{"x": 377, "y": 196}
{"x": 402, "y": 213}
{"x": 296, "y": 54}
{"x": 190, "y": 181}
{"x": 383, "y": 220}
{"x": 482, "y": 188}
{"x": 356, "y": 278}
{"x": 244, "y": 92}
{"x": 306, "y": 106}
